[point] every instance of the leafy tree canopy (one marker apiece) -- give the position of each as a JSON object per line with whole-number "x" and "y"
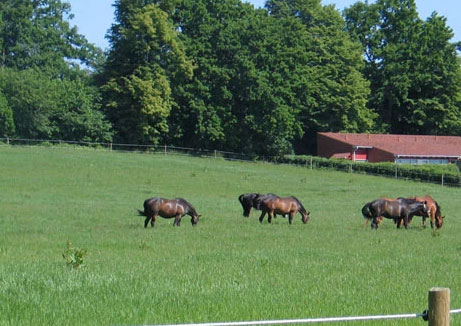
{"x": 413, "y": 68}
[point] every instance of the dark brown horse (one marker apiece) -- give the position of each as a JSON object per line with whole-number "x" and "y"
{"x": 251, "y": 200}
{"x": 433, "y": 211}
{"x": 168, "y": 208}
{"x": 281, "y": 205}
{"x": 400, "y": 209}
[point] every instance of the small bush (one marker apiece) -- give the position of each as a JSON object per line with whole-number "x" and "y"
{"x": 74, "y": 256}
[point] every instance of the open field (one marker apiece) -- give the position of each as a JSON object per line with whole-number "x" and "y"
{"x": 228, "y": 268}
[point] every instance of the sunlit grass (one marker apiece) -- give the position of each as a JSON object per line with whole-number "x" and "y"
{"x": 228, "y": 267}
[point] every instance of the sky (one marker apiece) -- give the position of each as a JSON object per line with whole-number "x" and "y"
{"x": 94, "y": 17}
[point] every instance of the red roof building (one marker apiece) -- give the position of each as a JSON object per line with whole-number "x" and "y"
{"x": 413, "y": 149}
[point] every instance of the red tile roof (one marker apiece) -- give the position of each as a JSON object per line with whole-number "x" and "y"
{"x": 405, "y": 145}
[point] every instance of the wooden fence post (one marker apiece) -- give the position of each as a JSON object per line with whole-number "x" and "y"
{"x": 439, "y": 307}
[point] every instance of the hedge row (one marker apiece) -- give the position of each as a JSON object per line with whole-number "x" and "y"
{"x": 446, "y": 174}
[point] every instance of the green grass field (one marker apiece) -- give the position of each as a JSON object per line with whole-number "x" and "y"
{"x": 228, "y": 268}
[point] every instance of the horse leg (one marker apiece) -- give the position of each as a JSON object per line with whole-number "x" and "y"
{"x": 146, "y": 221}
{"x": 432, "y": 218}
{"x": 291, "y": 217}
{"x": 261, "y": 218}
{"x": 374, "y": 223}
{"x": 152, "y": 221}
{"x": 177, "y": 220}
{"x": 405, "y": 221}
{"x": 270, "y": 215}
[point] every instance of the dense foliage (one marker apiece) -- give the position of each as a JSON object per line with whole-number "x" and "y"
{"x": 44, "y": 93}
{"x": 225, "y": 75}
{"x": 412, "y": 66}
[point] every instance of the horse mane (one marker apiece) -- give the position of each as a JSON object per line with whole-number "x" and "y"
{"x": 437, "y": 209}
{"x": 301, "y": 207}
{"x": 186, "y": 203}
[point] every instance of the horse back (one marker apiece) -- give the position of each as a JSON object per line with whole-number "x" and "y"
{"x": 385, "y": 207}
{"x": 283, "y": 205}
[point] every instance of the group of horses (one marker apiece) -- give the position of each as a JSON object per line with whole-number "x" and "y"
{"x": 270, "y": 204}
{"x": 400, "y": 210}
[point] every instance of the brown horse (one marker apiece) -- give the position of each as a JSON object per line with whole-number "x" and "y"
{"x": 281, "y": 205}
{"x": 433, "y": 211}
{"x": 168, "y": 208}
{"x": 400, "y": 209}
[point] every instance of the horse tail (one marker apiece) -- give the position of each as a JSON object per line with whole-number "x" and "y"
{"x": 366, "y": 211}
{"x": 147, "y": 209}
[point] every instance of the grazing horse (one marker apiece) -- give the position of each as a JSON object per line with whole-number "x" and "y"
{"x": 433, "y": 211}
{"x": 281, "y": 205}
{"x": 398, "y": 210}
{"x": 168, "y": 208}
{"x": 251, "y": 200}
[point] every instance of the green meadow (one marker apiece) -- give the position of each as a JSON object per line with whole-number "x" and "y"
{"x": 228, "y": 267}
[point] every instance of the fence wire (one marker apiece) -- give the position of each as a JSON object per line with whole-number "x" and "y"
{"x": 308, "y": 320}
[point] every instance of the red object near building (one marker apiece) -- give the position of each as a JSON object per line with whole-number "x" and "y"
{"x": 412, "y": 149}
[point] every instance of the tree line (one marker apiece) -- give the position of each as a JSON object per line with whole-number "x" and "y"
{"x": 224, "y": 75}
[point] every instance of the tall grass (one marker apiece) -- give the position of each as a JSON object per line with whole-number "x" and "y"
{"x": 228, "y": 268}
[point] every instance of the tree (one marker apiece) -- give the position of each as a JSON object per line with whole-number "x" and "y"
{"x": 411, "y": 65}
{"x": 146, "y": 54}
{"x": 7, "y": 127}
{"x": 335, "y": 97}
{"x": 240, "y": 96}
{"x": 265, "y": 77}
{"x": 48, "y": 108}
{"x": 38, "y": 34}
{"x": 48, "y": 93}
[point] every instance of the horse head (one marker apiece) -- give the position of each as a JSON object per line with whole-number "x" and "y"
{"x": 306, "y": 217}
{"x": 194, "y": 219}
{"x": 438, "y": 217}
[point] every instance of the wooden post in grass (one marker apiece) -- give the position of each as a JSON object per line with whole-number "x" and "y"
{"x": 439, "y": 307}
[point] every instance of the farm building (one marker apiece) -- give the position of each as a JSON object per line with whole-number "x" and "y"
{"x": 412, "y": 149}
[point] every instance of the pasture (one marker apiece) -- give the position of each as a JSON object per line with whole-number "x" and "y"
{"x": 227, "y": 268}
